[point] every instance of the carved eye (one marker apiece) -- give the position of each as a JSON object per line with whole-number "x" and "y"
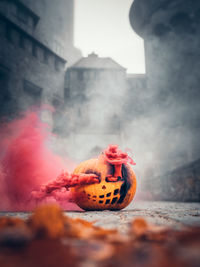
{"x": 90, "y": 171}
{"x": 112, "y": 179}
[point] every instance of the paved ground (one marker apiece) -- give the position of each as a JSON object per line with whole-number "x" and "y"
{"x": 162, "y": 213}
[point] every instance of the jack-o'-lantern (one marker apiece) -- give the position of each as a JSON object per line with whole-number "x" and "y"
{"x": 117, "y": 181}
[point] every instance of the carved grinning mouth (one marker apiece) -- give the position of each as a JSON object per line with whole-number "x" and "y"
{"x": 125, "y": 177}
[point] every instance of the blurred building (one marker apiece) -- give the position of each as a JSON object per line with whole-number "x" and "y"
{"x": 171, "y": 33}
{"x": 90, "y": 98}
{"x": 36, "y": 42}
{"x": 99, "y": 97}
{"x": 136, "y": 99}
{"x": 93, "y": 89}
{"x": 181, "y": 184}
{"x": 92, "y": 81}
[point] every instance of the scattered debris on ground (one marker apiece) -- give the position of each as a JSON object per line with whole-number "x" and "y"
{"x": 50, "y": 238}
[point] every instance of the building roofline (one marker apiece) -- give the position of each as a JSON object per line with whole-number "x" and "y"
{"x": 32, "y": 38}
{"x": 117, "y": 63}
{"x": 136, "y": 75}
{"x": 83, "y": 68}
{"x": 74, "y": 66}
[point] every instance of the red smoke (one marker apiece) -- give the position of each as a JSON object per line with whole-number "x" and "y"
{"x": 63, "y": 182}
{"x": 31, "y": 174}
{"x": 116, "y": 157}
{"x": 26, "y": 163}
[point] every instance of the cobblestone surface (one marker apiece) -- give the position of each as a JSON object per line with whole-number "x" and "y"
{"x": 173, "y": 214}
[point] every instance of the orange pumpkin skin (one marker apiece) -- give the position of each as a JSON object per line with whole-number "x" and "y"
{"x": 105, "y": 195}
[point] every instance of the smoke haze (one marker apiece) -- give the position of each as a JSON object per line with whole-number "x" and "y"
{"x": 26, "y": 163}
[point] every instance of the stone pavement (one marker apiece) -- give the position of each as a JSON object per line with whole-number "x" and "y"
{"x": 173, "y": 214}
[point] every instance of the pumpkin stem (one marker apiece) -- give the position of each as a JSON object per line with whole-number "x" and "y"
{"x": 118, "y": 170}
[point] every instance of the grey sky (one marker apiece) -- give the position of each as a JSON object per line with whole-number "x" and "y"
{"x": 102, "y": 26}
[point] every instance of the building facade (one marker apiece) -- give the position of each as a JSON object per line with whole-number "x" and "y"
{"x": 94, "y": 90}
{"x": 32, "y": 66}
{"x": 171, "y": 33}
{"x": 170, "y": 30}
{"x": 91, "y": 99}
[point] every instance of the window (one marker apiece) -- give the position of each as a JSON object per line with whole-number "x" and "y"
{"x": 8, "y": 33}
{"x": 13, "y": 9}
{"x": 80, "y": 75}
{"x": 32, "y": 89}
{"x": 73, "y": 75}
{"x": 56, "y": 102}
{"x": 22, "y": 15}
{"x": 22, "y": 41}
{"x": 5, "y": 94}
{"x": 79, "y": 112}
{"x": 67, "y": 93}
{"x": 46, "y": 57}
{"x": 57, "y": 65}
{"x": 92, "y": 74}
{"x": 34, "y": 50}
{"x": 32, "y": 94}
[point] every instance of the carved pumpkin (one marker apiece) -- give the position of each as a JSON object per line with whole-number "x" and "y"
{"x": 117, "y": 182}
